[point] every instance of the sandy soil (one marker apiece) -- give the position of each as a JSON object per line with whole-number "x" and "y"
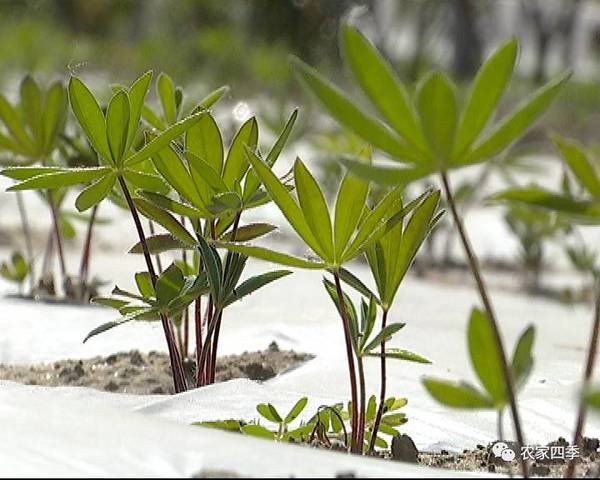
{"x": 143, "y": 374}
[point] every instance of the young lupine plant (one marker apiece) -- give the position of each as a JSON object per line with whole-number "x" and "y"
{"x": 32, "y": 131}
{"x": 389, "y": 260}
{"x": 364, "y": 344}
{"x": 112, "y": 134}
{"x": 485, "y": 361}
{"x": 583, "y": 209}
{"x": 336, "y": 241}
{"x": 213, "y": 190}
{"x": 16, "y": 270}
{"x": 430, "y": 133}
{"x": 283, "y": 432}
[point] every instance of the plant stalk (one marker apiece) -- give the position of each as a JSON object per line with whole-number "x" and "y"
{"x": 360, "y": 440}
{"x": 355, "y": 447}
{"x": 198, "y": 325}
{"x": 587, "y": 377}
{"x": 158, "y": 262}
{"x": 87, "y": 247}
{"x": 476, "y": 271}
{"x": 174, "y": 356}
{"x": 58, "y": 237}
{"x": 383, "y": 386}
{"x": 28, "y": 237}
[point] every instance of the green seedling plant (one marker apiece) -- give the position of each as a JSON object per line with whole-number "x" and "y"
{"x": 112, "y": 134}
{"x": 484, "y": 356}
{"x": 282, "y": 431}
{"x": 32, "y": 131}
{"x": 213, "y": 189}
{"x": 16, "y": 270}
{"x": 389, "y": 260}
{"x": 430, "y": 134}
{"x": 336, "y": 241}
{"x": 583, "y": 209}
{"x": 364, "y": 344}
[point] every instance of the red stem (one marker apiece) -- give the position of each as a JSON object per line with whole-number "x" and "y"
{"x": 383, "y": 387}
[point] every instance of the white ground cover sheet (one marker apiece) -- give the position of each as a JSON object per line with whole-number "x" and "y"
{"x": 75, "y": 431}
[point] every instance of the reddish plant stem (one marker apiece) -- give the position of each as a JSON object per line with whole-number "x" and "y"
{"x": 476, "y": 271}
{"x": 87, "y": 247}
{"x": 158, "y": 262}
{"x": 198, "y": 324}
{"x": 360, "y": 437}
{"x": 383, "y": 386}
{"x": 186, "y": 313}
{"x": 587, "y": 377}
{"x": 174, "y": 356}
{"x": 209, "y": 333}
{"x": 355, "y": 447}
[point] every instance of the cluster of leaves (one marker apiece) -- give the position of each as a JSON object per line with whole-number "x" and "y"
{"x": 16, "y": 270}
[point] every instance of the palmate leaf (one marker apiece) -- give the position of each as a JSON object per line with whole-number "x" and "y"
{"x": 489, "y": 85}
{"x": 117, "y": 125}
{"x": 236, "y": 163}
{"x": 145, "y": 181}
{"x": 269, "y": 412}
{"x": 349, "y": 206}
{"x": 168, "y": 285}
{"x": 204, "y": 141}
{"x": 164, "y": 218}
{"x": 340, "y": 107}
{"x": 485, "y": 357}
{"x": 515, "y": 124}
{"x": 90, "y": 116}
{"x": 61, "y": 178}
{"x": 581, "y": 166}
{"x": 379, "y": 82}
{"x": 295, "y": 410}
{"x": 314, "y": 209}
{"x": 95, "y": 193}
{"x": 254, "y": 283}
{"x": 456, "y": 395}
{"x": 288, "y": 206}
{"x": 272, "y": 256}
{"x": 436, "y": 103}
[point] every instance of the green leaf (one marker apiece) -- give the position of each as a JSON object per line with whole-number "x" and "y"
{"x": 236, "y": 164}
{"x": 143, "y": 280}
{"x": 137, "y": 95}
{"x": 61, "y": 179}
{"x": 254, "y": 283}
{"x": 109, "y": 302}
{"x": 394, "y": 419}
{"x": 10, "y": 118}
{"x": 95, "y": 193}
{"x": 488, "y": 86}
{"x": 378, "y": 80}
{"x": 258, "y": 431}
{"x": 55, "y": 112}
{"x": 514, "y": 124}
{"x": 280, "y": 195}
{"x": 168, "y": 284}
{"x": 271, "y": 256}
{"x": 580, "y": 165}
{"x": 163, "y": 140}
{"x": 166, "y": 94}
{"x": 344, "y": 111}
{"x": 522, "y": 359}
{"x": 252, "y": 182}
{"x": 205, "y": 175}
{"x": 355, "y": 282}
{"x": 537, "y": 197}
{"x": 398, "y": 354}
{"x": 173, "y": 205}
{"x": 213, "y": 267}
{"x": 384, "y": 175}
{"x": 24, "y": 173}
{"x": 349, "y": 206}
{"x": 249, "y": 232}
{"x": 383, "y": 336}
{"x": 314, "y": 207}
{"x": 117, "y": 125}
{"x": 436, "y": 102}
{"x": 204, "y": 140}
{"x": 593, "y": 399}
{"x": 31, "y": 105}
{"x": 145, "y": 181}
{"x": 212, "y": 98}
{"x": 165, "y": 219}
{"x": 457, "y": 395}
{"x": 349, "y": 310}
{"x": 296, "y": 410}
{"x": 169, "y": 164}
{"x": 135, "y": 315}
{"x": 269, "y": 412}
{"x": 485, "y": 356}
{"x": 160, "y": 243}
{"x": 90, "y": 116}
